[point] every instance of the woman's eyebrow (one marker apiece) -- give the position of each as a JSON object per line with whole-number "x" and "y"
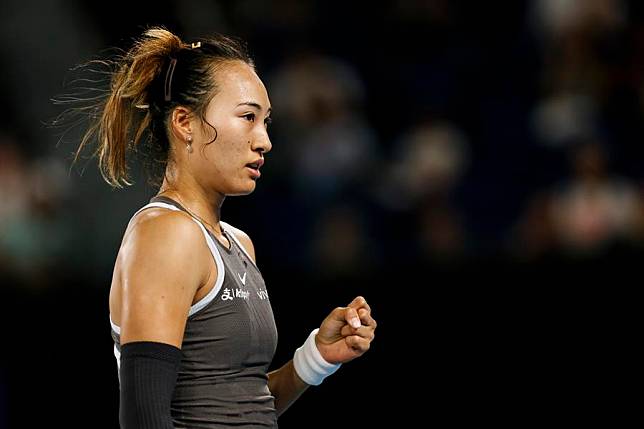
{"x": 255, "y": 105}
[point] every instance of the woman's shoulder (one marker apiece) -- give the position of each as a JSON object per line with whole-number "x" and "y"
{"x": 158, "y": 244}
{"x": 157, "y": 224}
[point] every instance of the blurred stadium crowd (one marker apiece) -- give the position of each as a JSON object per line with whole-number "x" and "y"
{"x": 406, "y": 133}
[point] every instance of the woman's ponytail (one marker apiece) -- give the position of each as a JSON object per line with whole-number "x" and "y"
{"x": 126, "y": 115}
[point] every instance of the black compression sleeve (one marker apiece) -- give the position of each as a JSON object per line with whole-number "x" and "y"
{"x": 148, "y": 376}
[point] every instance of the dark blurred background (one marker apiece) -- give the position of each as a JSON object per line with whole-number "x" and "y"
{"x": 474, "y": 169}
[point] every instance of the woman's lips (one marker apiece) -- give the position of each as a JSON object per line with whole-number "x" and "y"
{"x": 254, "y": 167}
{"x": 254, "y": 172}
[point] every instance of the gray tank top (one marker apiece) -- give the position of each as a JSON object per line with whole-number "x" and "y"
{"x": 228, "y": 344}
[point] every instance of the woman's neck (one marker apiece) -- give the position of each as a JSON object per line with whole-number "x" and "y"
{"x": 201, "y": 204}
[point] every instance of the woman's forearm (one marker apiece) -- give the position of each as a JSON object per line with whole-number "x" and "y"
{"x": 286, "y": 386}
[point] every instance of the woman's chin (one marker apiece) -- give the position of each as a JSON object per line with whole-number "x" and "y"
{"x": 246, "y": 189}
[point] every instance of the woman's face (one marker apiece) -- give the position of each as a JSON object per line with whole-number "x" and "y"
{"x": 240, "y": 113}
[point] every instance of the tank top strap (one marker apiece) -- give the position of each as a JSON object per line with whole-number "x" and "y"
{"x": 231, "y": 233}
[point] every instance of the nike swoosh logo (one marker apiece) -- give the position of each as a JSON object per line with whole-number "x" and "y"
{"x": 243, "y": 279}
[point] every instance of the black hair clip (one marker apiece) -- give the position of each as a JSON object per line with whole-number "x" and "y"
{"x": 168, "y": 79}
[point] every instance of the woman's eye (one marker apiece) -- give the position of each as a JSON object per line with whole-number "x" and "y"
{"x": 268, "y": 121}
{"x": 250, "y": 117}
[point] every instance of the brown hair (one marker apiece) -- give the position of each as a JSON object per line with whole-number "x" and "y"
{"x": 157, "y": 74}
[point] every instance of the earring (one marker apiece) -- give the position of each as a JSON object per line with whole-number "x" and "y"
{"x": 189, "y": 143}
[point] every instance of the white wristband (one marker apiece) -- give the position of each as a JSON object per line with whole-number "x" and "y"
{"x": 309, "y": 363}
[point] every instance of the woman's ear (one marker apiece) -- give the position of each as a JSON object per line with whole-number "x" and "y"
{"x": 180, "y": 123}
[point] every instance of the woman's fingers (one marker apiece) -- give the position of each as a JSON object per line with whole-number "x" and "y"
{"x": 351, "y": 316}
{"x": 353, "y": 320}
{"x": 345, "y": 315}
{"x": 367, "y": 323}
{"x": 366, "y": 319}
{"x": 358, "y": 303}
{"x": 357, "y": 343}
{"x": 366, "y": 332}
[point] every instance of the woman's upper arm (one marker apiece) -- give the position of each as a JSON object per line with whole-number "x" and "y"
{"x": 163, "y": 264}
